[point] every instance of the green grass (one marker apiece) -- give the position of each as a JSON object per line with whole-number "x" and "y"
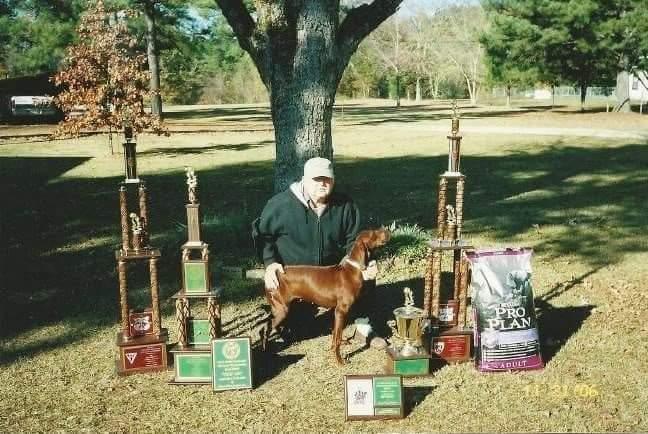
{"x": 578, "y": 201}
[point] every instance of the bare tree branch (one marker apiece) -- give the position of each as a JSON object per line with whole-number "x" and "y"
{"x": 241, "y": 21}
{"x": 359, "y": 22}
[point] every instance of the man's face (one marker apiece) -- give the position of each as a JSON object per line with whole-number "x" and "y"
{"x": 319, "y": 189}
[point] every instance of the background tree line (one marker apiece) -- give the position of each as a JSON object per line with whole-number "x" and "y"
{"x": 438, "y": 49}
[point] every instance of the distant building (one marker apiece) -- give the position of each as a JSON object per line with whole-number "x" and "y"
{"x": 638, "y": 92}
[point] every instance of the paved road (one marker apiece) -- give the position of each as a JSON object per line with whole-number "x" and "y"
{"x": 546, "y": 131}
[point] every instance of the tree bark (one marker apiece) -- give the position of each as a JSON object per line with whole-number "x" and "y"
{"x": 418, "y": 89}
{"x": 583, "y": 94}
{"x": 153, "y": 58}
{"x": 397, "y": 96}
{"x": 622, "y": 92}
{"x": 301, "y": 50}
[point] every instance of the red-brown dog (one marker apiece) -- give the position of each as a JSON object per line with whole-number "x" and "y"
{"x": 335, "y": 286}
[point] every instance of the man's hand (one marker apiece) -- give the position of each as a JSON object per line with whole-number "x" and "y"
{"x": 371, "y": 272}
{"x": 270, "y": 277}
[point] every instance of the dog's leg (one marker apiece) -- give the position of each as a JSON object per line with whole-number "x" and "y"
{"x": 338, "y": 326}
{"x": 279, "y": 311}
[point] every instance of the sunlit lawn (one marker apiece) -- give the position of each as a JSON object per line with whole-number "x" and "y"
{"x": 578, "y": 201}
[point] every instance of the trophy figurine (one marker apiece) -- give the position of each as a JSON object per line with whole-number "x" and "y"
{"x": 193, "y": 212}
{"x": 407, "y": 356}
{"x": 192, "y": 184}
{"x": 139, "y": 232}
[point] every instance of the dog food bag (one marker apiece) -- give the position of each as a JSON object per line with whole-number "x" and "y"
{"x": 506, "y": 332}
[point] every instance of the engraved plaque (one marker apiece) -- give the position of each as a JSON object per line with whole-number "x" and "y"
{"x": 195, "y": 276}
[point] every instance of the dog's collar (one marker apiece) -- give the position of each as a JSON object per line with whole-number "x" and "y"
{"x": 354, "y": 263}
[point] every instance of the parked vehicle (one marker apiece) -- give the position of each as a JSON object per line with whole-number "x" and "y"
{"x": 36, "y": 105}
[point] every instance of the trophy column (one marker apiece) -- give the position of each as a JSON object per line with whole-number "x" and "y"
{"x": 141, "y": 342}
{"x": 192, "y": 354}
{"x": 445, "y": 300}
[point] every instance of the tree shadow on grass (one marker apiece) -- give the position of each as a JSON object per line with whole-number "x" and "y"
{"x": 268, "y": 365}
{"x": 413, "y": 396}
{"x": 382, "y": 115}
{"x": 59, "y": 234}
{"x": 170, "y": 151}
{"x": 557, "y": 324}
{"x": 253, "y": 113}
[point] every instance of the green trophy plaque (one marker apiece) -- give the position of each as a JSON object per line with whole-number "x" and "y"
{"x": 373, "y": 397}
{"x": 198, "y": 331}
{"x": 231, "y": 363}
{"x": 195, "y": 275}
{"x": 412, "y": 366}
{"x": 193, "y": 367}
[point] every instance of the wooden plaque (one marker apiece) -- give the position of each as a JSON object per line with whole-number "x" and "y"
{"x": 373, "y": 397}
{"x": 231, "y": 363}
{"x": 452, "y": 346}
{"x": 140, "y": 323}
{"x": 195, "y": 276}
{"x": 138, "y": 358}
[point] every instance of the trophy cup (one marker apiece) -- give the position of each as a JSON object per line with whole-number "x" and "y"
{"x": 192, "y": 354}
{"x": 406, "y": 354}
{"x": 141, "y": 341}
{"x": 451, "y": 338}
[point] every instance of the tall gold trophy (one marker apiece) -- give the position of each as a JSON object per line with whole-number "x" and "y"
{"x": 447, "y": 306}
{"x": 141, "y": 341}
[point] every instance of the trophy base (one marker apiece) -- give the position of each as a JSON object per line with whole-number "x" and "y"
{"x": 449, "y": 174}
{"x": 441, "y": 244}
{"x": 213, "y": 292}
{"x": 143, "y": 253}
{"x": 192, "y": 365}
{"x": 131, "y": 181}
{"x": 452, "y": 346}
{"x": 407, "y": 366}
{"x": 141, "y": 354}
{"x": 194, "y": 245}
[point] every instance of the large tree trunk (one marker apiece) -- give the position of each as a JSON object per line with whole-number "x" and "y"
{"x": 301, "y": 115}
{"x": 302, "y": 91}
{"x": 153, "y": 58}
{"x": 301, "y": 50}
{"x": 418, "y": 89}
